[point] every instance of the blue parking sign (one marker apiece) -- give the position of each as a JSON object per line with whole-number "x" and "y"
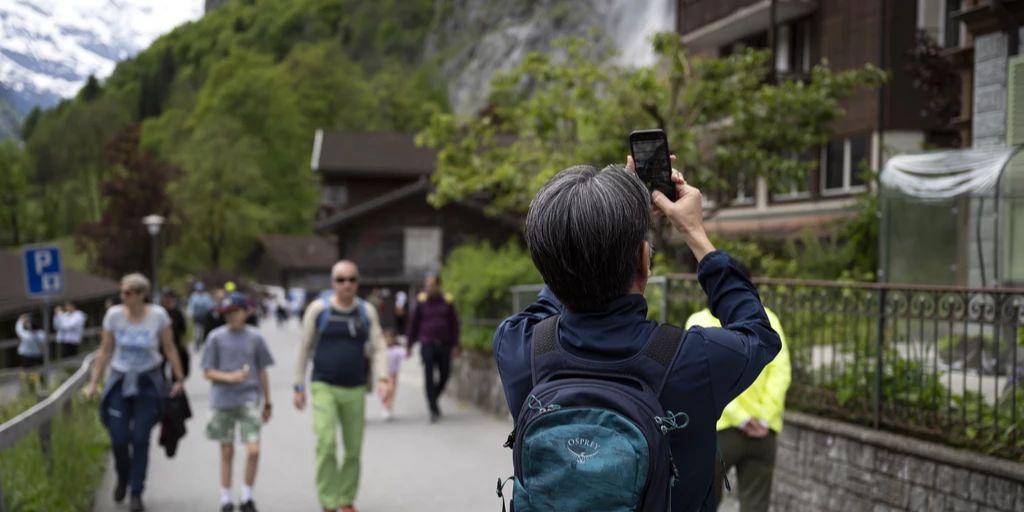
{"x": 43, "y": 275}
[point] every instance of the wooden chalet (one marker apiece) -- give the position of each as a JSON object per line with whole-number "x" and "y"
{"x": 374, "y": 188}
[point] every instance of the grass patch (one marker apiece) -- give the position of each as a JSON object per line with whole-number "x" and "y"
{"x": 79, "y": 444}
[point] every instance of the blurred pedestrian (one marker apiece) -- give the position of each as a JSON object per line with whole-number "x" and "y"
{"x": 200, "y": 303}
{"x": 31, "y": 341}
{"x": 435, "y": 326}
{"x": 401, "y": 308}
{"x": 214, "y": 319}
{"x": 69, "y": 322}
{"x": 282, "y": 313}
{"x": 134, "y": 334}
{"x": 169, "y": 301}
{"x": 396, "y": 352}
{"x": 339, "y": 331}
{"x": 235, "y": 360}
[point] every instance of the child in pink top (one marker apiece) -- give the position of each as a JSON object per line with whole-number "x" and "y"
{"x": 395, "y": 355}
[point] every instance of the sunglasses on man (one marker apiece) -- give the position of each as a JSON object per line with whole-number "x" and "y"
{"x": 346, "y": 279}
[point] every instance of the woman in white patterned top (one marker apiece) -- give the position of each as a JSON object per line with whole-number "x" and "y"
{"x": 134, "y": 333}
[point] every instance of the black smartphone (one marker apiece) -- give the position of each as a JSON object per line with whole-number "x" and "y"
{"x": 651, "y": 157}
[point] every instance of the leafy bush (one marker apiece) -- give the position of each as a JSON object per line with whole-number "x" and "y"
{"x": 479, "y": 276}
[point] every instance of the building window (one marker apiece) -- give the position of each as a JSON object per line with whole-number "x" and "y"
{"x": 792, "y": 47}
{"x": 794, "y": 189}
{"x": 859, "y": 154}
{"x": 936, "y": 17}
{"x": 335, "y": 195}
{"x": 422, "y": 250}
{"x": 834, "y": 164}
{"x": 801, "y": 46}
{"x": 783, "y": 49}
{"x": 951, "y": 38}
{"x": 746, "y": 191}
{"x": 843, "y": 165}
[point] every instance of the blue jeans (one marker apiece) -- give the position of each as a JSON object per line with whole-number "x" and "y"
{"x": 130, "y": 421}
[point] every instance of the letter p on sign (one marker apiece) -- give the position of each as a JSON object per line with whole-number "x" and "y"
{"x": 43, "y": 260}
{"x": 43, "y": 273}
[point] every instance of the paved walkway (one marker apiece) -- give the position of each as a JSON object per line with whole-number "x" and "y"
{"x": 408, "y": 464}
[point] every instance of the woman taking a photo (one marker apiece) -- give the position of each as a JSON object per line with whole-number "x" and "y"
{"x": 134, "y": 333}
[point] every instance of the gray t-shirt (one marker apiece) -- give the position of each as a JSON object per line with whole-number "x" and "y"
{"x": 136, "y": 345}
{"x": 228, "y": 350}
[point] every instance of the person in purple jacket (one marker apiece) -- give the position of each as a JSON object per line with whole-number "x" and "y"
{"x": 587, "y": 234}
{"x": 435, "y": 325}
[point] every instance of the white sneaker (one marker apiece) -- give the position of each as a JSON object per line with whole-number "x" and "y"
{"x": 387, "y": 415}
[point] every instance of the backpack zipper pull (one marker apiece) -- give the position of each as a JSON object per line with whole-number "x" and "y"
{"x": 534, "y": 403}
{"x": 511, "y": 440}
{"x": 672, "y": 421}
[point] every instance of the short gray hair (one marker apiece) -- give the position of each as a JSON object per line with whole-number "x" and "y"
{"x": 136, "y": 282}
{"x": 585, "y": 231}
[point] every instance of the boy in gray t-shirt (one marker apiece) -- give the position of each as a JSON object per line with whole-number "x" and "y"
{"x": 235, "y": 360}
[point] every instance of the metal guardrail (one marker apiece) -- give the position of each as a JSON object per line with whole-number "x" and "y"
{"x": 940, "y": 363}
{"x": 39, "y": 417}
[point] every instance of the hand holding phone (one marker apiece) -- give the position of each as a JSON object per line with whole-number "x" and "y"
{"x": 652, "y": 161}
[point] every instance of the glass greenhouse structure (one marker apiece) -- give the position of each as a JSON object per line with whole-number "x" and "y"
{"x": 953, "y": 218}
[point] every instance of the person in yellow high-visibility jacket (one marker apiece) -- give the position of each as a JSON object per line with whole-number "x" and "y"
{"x": 749, "y": 424}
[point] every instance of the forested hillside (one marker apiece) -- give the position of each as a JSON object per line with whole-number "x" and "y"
{"x": 212, "y": 126}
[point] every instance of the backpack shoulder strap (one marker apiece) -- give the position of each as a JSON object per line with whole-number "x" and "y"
{"x": 325, "y": 315}
{"x": 661, "y": 349}
{"x": 363, "y": 316}
{"x": 545, "y": 340}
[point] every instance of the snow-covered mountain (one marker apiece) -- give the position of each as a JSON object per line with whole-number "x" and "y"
{"x": 48, "y": 48}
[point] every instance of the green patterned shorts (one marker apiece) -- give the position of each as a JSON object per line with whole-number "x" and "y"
{"x": 221, "y": 427}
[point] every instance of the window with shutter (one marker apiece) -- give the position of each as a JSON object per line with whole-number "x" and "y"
{"x": 1015, "y": 102}
{"x": 1012, "y": 221}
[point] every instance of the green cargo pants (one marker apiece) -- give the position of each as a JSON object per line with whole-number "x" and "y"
{"x": 755, "y": 462}
{"x": 333, "y": 405}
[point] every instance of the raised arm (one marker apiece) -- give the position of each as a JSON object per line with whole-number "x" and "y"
{"x": 746, "y": 342}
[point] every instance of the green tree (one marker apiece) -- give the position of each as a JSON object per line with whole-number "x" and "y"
{"x": 725, "y": 121}
{"x": 219, "y": 211}
{"x": 14, "y": 191}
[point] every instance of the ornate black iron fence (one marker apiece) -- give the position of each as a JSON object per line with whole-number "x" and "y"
{"x": 945, "y": 364}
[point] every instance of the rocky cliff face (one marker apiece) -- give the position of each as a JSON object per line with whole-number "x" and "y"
{"x": 213, "y": 4}
{"x": 476, "y": 38}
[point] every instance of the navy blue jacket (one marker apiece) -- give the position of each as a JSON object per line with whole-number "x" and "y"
{"x": 712, "y": 366}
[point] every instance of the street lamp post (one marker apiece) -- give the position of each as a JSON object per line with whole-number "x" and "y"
{"x": 153, "y": 224}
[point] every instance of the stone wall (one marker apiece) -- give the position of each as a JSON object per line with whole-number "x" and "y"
{"x": 825, "y": 465}
{"x": 990, "y": 60}
{"x": 475, "y": 380}
{"x": 829, "y": 465}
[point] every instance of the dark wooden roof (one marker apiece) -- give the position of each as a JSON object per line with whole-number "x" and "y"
{"x": 78, "y": 286}
{"x": 300, "y": 252}
{"x": 370, "y": 154}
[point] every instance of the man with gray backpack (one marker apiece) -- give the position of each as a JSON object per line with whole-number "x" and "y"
{"x": 339, "y": 331}
{"x": 614, "y": 412}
